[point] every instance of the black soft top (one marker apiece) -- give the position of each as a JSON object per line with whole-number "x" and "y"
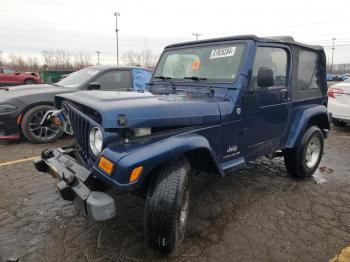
{"x": 270, "y": 39}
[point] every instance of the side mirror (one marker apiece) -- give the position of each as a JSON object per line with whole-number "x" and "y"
{"x": 94, "y": 86}
{"x": 265, "y": 77}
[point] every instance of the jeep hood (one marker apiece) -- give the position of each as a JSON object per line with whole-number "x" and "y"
{"x": 147, "y": 109}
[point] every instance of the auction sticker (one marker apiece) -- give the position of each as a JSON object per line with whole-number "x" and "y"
{"x": 196, "y": 64}
{"x": 223, "y": 52}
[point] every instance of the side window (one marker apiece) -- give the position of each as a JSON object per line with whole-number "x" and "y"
{"x": 114, "y": 80}
{"x": 9, "y": 71}
{"x": 273, "y": 58}
{"x": 307, "y": 71}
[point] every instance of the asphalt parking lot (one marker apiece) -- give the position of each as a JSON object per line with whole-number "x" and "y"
{"x": 257, "y": 214}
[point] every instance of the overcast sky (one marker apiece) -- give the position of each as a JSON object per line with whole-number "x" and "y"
{"x": 29, "y": 26}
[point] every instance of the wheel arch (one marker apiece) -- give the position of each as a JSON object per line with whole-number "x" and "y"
{"x": 194, "y": 147}
{"x": 304, "y": 118}
{"x": 28, "y": 78}
{"x": 30, "y": 106}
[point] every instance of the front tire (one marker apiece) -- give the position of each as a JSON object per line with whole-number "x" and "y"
{"x": 303, "y": 161}
{"x": 29, "y": 82}
{"x": 31, "y": 129}
{"x": 167, "y": 205}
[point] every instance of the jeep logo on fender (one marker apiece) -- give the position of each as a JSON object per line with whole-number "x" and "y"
{"x": 231, "y": 149}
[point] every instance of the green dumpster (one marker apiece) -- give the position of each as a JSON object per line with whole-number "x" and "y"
{"x": 53, "y": 76}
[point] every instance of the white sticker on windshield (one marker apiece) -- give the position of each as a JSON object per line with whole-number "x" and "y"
{"x": 92, "y": 72}
{"x": 223, "y": 52}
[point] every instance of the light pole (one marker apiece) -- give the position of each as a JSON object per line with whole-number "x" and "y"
{"x": 196, "y": 35}
{"x": 116, "y": 14}
{"x": 98, "y": 57}
{"x": 333, "y": 39}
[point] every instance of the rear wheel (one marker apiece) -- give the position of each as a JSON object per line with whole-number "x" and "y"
{"x": 31, "y": 129}
{"x": 29, "y": 82}
{"x": 167, "y": 205}
{"x": 303, "y": 161}
{"x": 338, "y": 123}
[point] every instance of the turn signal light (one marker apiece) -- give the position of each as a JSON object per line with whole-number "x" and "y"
{"x": 105, "y": 165}
{"x": 135, "y": 174}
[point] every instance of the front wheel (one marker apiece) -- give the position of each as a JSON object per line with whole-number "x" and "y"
{"x": 167, "y": 205}
{"x": 303, "y": 161}
{"x": 29, "y": 82}
{"x": 33, "y": 131}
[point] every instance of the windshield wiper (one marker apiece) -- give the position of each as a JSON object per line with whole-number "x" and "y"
{"x": 167, "y": 79}
{"x": 209, "y": 90}
{"x": 196, "y": 78}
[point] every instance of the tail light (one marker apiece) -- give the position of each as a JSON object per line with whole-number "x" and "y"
{"x": 334, "y": 90}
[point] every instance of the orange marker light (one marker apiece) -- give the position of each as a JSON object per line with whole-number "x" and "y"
{"x": 105, "y": 165}
{"x": 135, "y": 174}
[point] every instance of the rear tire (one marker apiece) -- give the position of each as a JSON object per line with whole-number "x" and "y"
{"x": 338, "y": 123}
{"x": 30, "y": 126}
{"x": 29, "y": 82}
{"x": 303, "y": 161}
{"x": 167, "y": 205}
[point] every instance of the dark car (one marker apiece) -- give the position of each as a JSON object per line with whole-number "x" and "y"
{"x": 214, "y": 106}
{"x": 23, "y": 107}
{"x": 12, "y": 77}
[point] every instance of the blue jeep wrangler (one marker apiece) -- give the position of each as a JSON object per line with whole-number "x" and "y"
{"x": 213, "y": 106}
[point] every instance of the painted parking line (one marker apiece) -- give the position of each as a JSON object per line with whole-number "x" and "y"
{"x": 17, "y": 161}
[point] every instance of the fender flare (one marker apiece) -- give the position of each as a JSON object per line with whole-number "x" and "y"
{"x": 151, "y": 155}
{"x": 302, "y": 117}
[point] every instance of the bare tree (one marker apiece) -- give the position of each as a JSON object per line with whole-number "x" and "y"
{"x": 48, "y": 57}
{"x": 82, "y": 60}
{"x": 144, "y": 58}
{"x": 62, "y": 60}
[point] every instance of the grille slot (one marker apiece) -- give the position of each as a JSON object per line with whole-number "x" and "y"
{"x": 81, "y": 128}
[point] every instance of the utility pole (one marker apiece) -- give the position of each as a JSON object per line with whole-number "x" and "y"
{"x": 333, "y": 39}
{"x": 116, "y": 14}
{"x": 196, "y": 35}
{"x": 98, "y": 57}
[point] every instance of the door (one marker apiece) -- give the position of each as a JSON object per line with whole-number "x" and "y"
{"x": 9, "y": 77}
{"x": 267, "y": 108}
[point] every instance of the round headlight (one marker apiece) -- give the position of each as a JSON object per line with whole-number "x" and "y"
{"x": 96, "y": 140}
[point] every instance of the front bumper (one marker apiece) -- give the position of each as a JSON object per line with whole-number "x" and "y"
{"x": 9, "y": 129}
{"x": 73, "y": 185}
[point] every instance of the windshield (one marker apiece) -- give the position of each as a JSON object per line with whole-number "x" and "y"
{"x": 215, "y": 62}
{"x": 78, "y": 78}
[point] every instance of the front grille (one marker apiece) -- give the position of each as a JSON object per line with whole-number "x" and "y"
{"x": 81, "y": 128}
